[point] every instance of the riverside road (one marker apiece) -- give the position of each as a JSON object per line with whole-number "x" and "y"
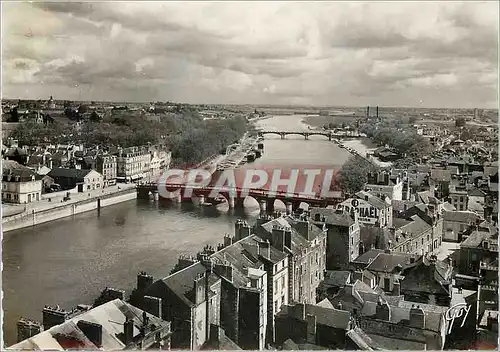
{"x": 69, "y": 261}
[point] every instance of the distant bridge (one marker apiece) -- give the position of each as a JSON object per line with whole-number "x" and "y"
{"x": 306, "y": 134}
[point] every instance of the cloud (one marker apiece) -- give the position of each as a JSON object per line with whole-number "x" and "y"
{"x": 397, "y": 54}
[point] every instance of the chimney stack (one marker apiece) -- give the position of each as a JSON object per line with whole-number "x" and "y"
{"x": 92, "y": 331}
{"x": 377, "y": 111}
{"x": 368, "y": 111}
{"x": 417, "y": 317}
{"x": 128, "y": 331}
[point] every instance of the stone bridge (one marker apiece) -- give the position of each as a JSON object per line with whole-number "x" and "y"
{"x": 306, "y": 134}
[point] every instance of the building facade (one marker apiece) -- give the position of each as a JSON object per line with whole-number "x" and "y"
{"x": 133, "y": 164}
{"x": 107, "y": 166}
{"x": 20, "y": 186}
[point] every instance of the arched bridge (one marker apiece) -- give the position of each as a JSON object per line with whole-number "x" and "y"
{"x": 306, "y": 134}
{"x": 291, "y": 185}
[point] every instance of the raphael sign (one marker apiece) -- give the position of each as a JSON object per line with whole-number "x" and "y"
{"x": 457, "y": 311}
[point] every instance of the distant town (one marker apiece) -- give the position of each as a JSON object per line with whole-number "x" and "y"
{"x": 406, "y": 257}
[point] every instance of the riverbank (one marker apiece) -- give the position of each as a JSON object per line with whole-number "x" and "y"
{"x": 56, "y": 208}
{"x": 318, "y": 121}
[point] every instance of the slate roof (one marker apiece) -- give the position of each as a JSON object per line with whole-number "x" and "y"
{"x": 329, "y": 316}
{"x": 418, "y": 179}
{"x": 425, "y": 169}
{"x": 375, "y": 237}
{"x": 336, "y": 278}
{"x": 475, "y": 192}
{"x": 362, "y": 340}
{"x": 462, "y": 216}
{"x": 401, "y": 316}
{"x": 373, "y": 200}
{"x": 20, "y": 174}
{"x": 440, "y": 175}
{"x": 331, "y": 217}
{"x": 181, "y": 283}
{"x": 424, "y": 277}
{"x": 475, "y": 239}
{"x": 387, "y": 262}
{"x": 453, "y": 169}
{"x": 111, "y": 316}
{"x": 366, "y": 257}
{"x": 68, "y": 173}
{"x": 415, "y": 227}
{"x": 11, "y": 165}
{"x": 399, "y": 205}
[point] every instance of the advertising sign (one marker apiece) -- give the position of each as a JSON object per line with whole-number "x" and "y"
{"x": 457, "y": 311}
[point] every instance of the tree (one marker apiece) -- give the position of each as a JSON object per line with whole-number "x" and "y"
{"x": 94, "y": 117}
{"x": 14, "y": 115}
{"x": 460, "y": 122}
{"x": 354, "y": 174}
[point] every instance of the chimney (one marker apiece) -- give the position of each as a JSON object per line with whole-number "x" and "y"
{"x": 128, "y": 331}
{"x": 302, "y": 227}
{"x": 27, "y": 328}
{"x": 227, "y": 240}
{"x": 417, "y": 317}
{"x": 53, "y": 316}
{"x": 92, "y": 331}
{"x": 357, "y": 275}
{"x": 224, "y": 270}
{"x": 281, "y": 237}
{"x": 242, "y": 230}
{"x": 152, "y": 305}
{"x": 144, "y": 281}
{"x": 311, "y": 328}
{"x": 383, "y": 311}
{"x": 492, "y": 323}
{"x": 199, "y": 289}
{"x": 264, "y": 249}
{"x": 377, "y": 111}
{"x": 396, "y": 290}
{"x": 368, "y": 111}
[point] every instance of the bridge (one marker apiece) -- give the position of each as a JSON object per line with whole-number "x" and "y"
{"x": 307, "y": 134}
{"x": 235, "y": 196}
{"x": 236, "y": 193}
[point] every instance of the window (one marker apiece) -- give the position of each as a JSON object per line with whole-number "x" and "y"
{"x": 276, "y": 286}
{"x": 282, "y": 282}
{"x": 276, "y": 306}
{"x": 283, "y": 299}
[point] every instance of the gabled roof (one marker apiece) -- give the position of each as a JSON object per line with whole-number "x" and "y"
{"x": 181, "y": 283}
{"x": 373, "y": 200}
{"x": 68, "y": 173}
{"x": 111, "y": 316}
{"x": 440, "y": 175}
{"x": 387, "y": 262}
{"x": 332, "y": 217}
{"x": 462, "y": 216}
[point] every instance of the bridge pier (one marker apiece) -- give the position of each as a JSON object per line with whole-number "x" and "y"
{"x": 231, "y": 202}
{"x": 263, "y": 207}
{"x": 288, "y": 208}
{"x": 283, "y": 135}
{"x": 330, "y": 137}
{"x": 295, "y": 206}
{"x": 270, "y": 205}
{"x": 201, "y": 199}
{"x": 306, "y": 136}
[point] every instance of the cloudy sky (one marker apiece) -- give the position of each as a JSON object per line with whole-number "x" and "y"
{"x": 393, "y": 54}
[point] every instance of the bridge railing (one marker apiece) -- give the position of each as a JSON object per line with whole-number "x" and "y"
{"x": 249, "y": 191}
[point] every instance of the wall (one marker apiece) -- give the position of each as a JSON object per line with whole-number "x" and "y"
{"x": 19, "y": 191}
{"x": 64, "y": 210}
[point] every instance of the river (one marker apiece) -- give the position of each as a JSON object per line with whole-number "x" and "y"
{"x": 70, "y": 261}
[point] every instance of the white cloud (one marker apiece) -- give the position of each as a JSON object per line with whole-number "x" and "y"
{"x": 254, "y": 52}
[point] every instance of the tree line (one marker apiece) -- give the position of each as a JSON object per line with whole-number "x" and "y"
{"x": 189, "y": 137}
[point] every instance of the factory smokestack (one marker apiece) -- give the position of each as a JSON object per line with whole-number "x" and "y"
{"x": 377, "y": 111}
{"x": 368, "y": 111}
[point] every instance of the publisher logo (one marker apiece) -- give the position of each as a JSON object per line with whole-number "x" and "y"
{"x": 310, "y": 182}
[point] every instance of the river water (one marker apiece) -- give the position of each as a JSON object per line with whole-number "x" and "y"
{"x": 70, "y": 261}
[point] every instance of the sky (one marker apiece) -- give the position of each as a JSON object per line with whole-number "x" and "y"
{"x": 407, "y": 54}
